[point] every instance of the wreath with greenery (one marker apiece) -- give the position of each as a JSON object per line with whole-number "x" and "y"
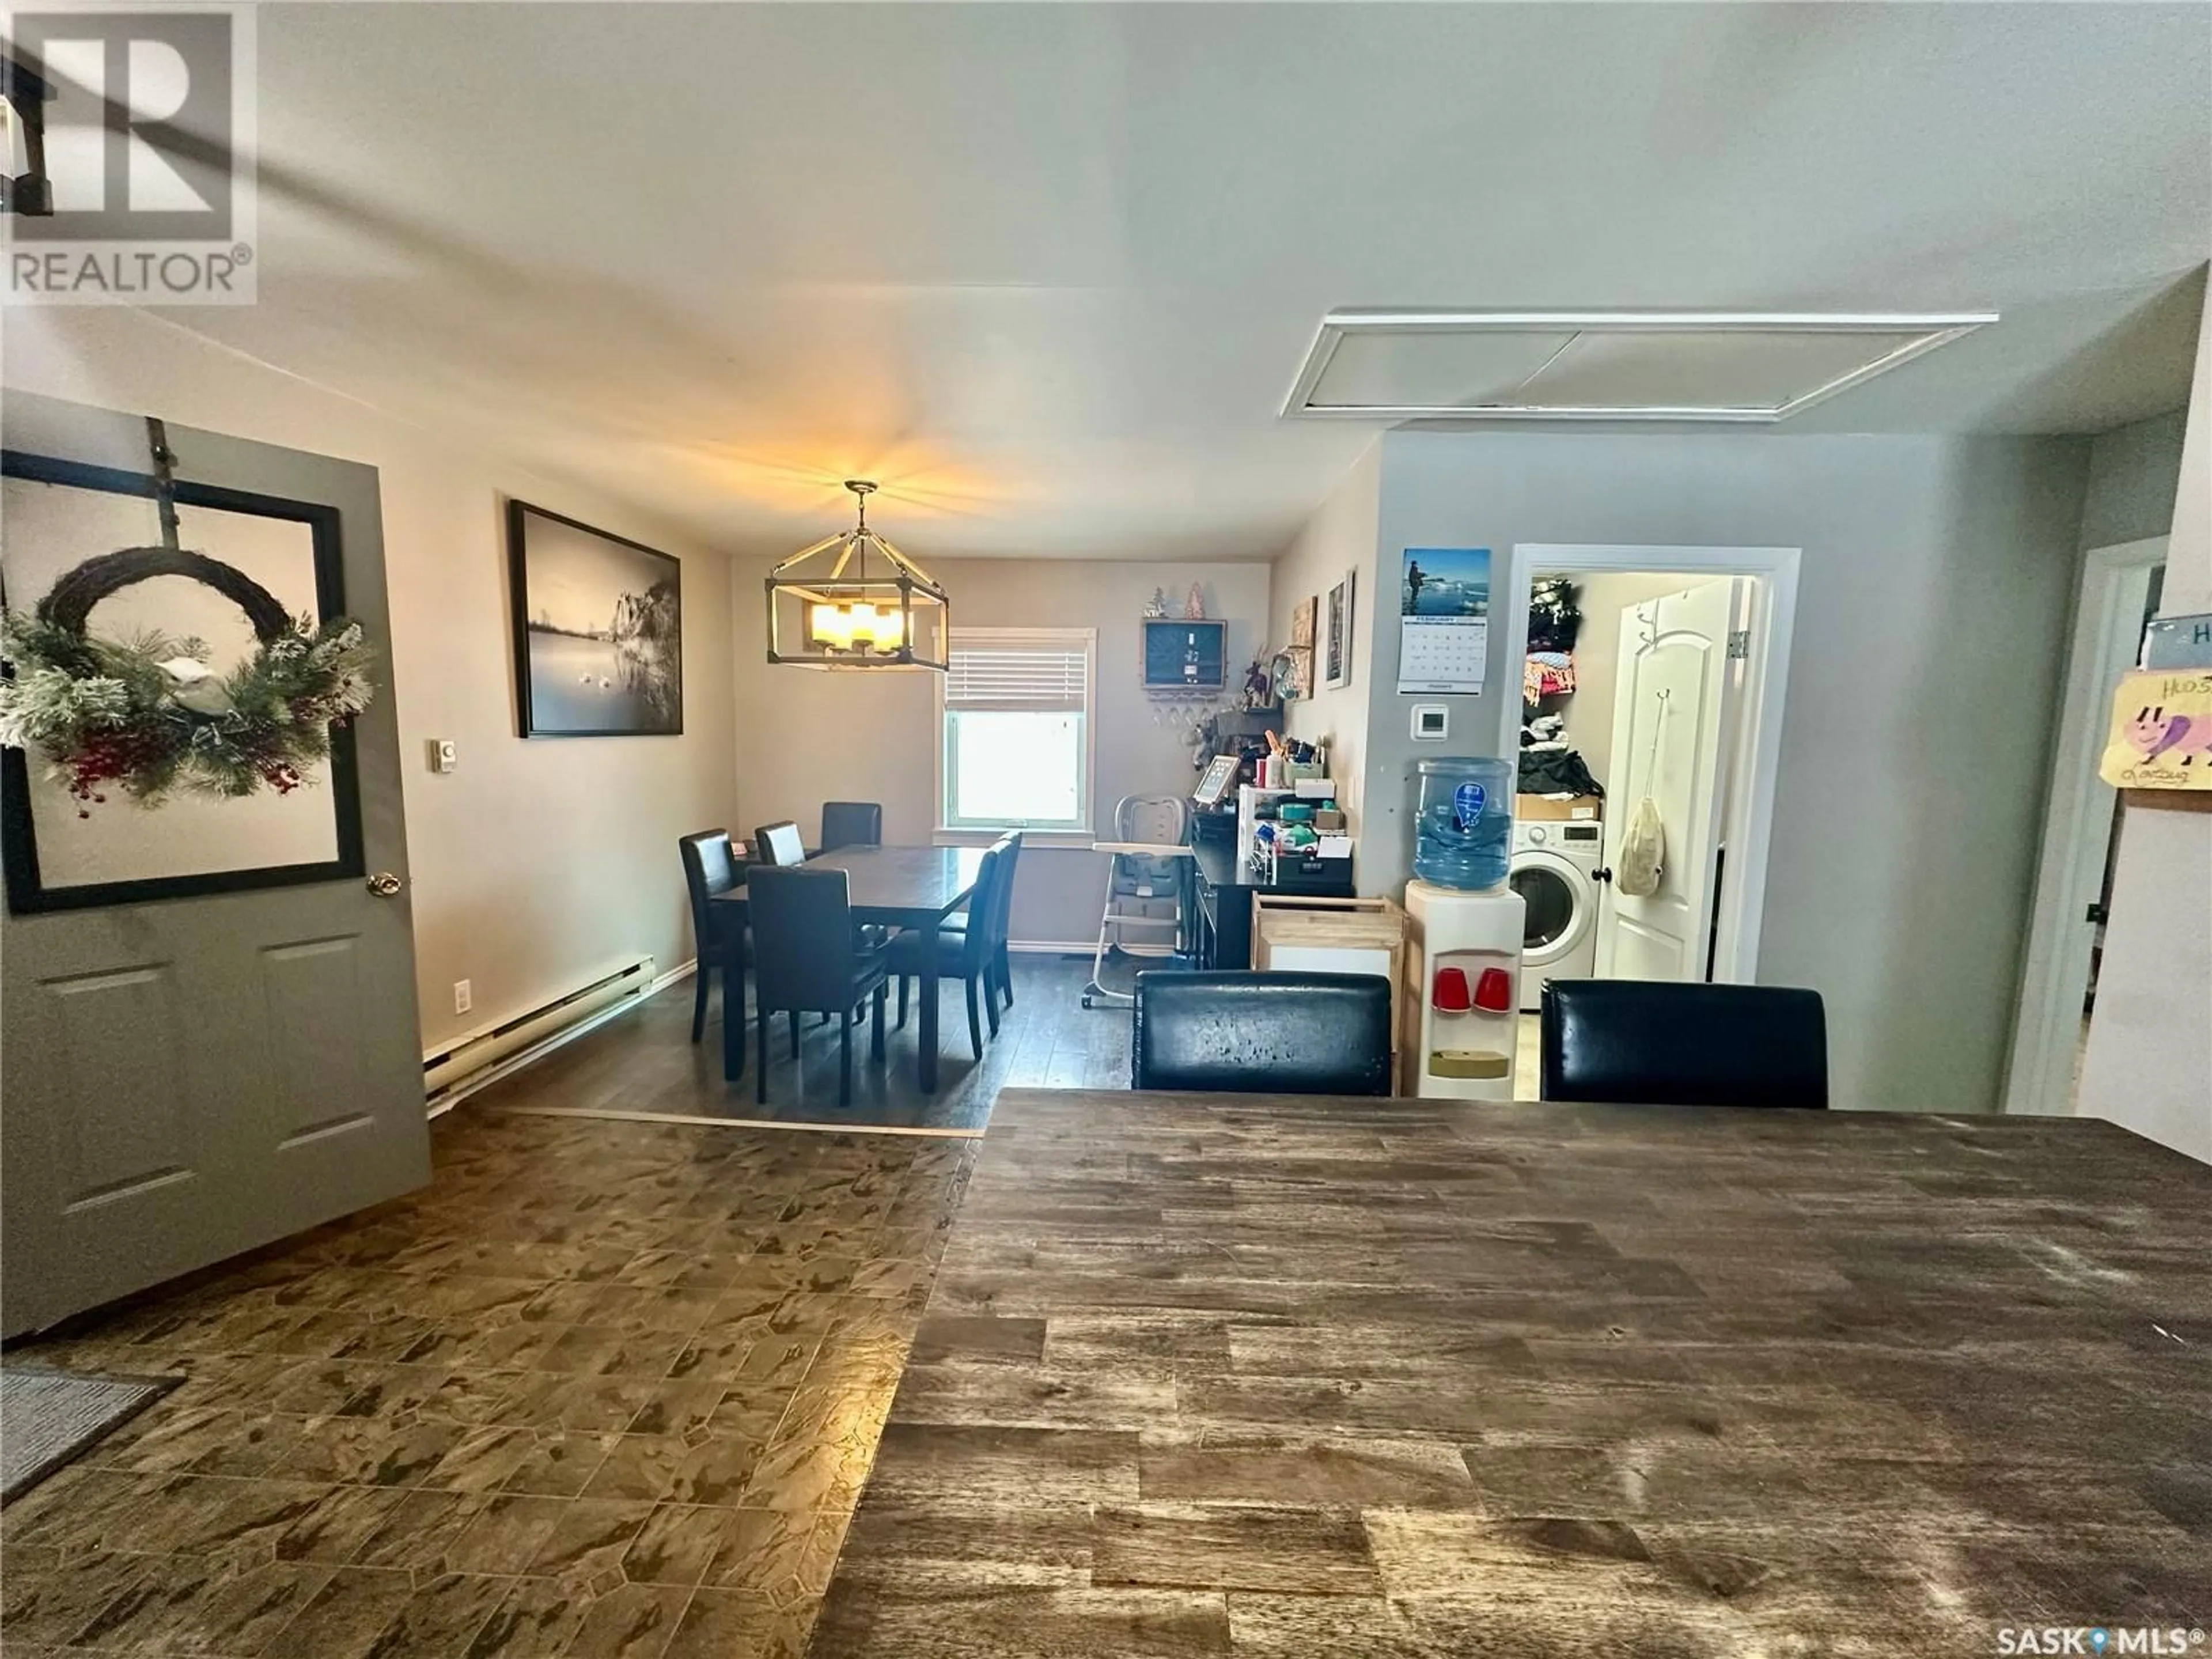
{"x": 148, "y": 715}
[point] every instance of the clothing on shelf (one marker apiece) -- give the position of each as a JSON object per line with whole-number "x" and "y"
{"x": 1556, "y": 769}
{"x": 1549, "y": 765}
{"x": 1554, "y": 616}
{"x": 1546, "y": 672}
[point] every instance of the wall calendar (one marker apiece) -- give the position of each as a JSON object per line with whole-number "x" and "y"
{"x": 1444, "y": 620}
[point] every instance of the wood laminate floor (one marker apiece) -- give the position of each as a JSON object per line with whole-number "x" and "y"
{"x": 1214, "y": 1374}
{"x": 603, "y": 1390}
{"x": 643, "y": 1061}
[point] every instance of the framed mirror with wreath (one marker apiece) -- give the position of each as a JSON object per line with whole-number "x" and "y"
{"x": 180, "y": 681}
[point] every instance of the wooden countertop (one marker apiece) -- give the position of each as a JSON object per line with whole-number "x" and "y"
{"x": 1215, "y": 1373}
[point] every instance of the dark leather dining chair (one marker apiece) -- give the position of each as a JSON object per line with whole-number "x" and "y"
{"x": 807, "y": 960}
{"x": 962, "y": 953}
{"x": 1254, "y": 1033}
{"x": 1002, "y": 921}
{"x": 779, "y": 844}
{"x": 1665, "y": 1043}
{"x": 851, "y": 824}
{"x": 710, "y": 866}
{"x": 998, "y": 977}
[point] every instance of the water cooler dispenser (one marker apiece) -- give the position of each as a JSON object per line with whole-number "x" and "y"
{"x": 1465, "y": 926}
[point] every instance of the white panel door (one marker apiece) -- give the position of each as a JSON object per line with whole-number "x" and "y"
{"x": 1672, "y": 711}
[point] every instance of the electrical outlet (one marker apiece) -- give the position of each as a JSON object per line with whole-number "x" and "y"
{"x": 463, "y": 998}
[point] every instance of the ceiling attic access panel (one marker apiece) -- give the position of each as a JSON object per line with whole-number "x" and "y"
{"x": 1603, "y": 365}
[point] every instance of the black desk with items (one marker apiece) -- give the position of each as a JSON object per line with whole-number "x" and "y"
{"x": 1221, "y": 909}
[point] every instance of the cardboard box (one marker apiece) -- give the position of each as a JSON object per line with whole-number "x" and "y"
{"x": 1547, "y": 809}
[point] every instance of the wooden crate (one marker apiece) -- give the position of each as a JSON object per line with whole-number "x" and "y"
{"x": 1311, "y": 934}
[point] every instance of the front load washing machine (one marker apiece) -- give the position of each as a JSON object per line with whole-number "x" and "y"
{"x": 1556, "y": 868}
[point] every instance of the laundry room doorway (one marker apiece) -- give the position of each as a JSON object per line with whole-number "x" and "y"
{"x": 1647, "y": 730}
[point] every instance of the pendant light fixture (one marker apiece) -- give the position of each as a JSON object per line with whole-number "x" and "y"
{"x": 828, "y": 609}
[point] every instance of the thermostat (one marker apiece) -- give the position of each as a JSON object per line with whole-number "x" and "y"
{"x": 1431, "y": 722}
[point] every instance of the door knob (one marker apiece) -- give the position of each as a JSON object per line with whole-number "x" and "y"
{"x": 384, "y": 885}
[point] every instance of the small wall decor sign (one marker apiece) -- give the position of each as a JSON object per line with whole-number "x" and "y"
{"x": 2178, "y": 642}
{"x": 1184, "y": 656}
{"x": 2161, "y": 730}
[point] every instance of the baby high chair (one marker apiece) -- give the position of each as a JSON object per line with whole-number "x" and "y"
{"x": 1151, "y": 869}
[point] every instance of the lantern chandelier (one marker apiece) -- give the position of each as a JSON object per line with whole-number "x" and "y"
{"x": 828, "y": 609}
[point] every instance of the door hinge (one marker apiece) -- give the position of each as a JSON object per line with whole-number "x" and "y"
{"x": 1739, "y": 645}
{"x": 2096, "y": 915}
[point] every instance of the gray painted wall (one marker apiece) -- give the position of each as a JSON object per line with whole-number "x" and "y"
{"x": 1932, "y": 615}
{"x": 2133, "y": 471}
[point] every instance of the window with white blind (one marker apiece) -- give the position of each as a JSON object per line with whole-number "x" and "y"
{"x": 1017, "y": 732}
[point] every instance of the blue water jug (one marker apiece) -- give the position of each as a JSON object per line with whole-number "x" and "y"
{"x": 1463, "y": 832}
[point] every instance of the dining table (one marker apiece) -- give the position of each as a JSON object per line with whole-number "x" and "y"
{"x": 914, "y": 888}
{"x": 1266, "y": 1375}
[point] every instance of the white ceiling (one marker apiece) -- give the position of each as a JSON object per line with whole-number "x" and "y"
{"x": 1047, "y": 270}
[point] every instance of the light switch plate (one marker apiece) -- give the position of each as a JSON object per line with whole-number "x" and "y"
{"x": 445, "y": 754}
{"x": 465, "y": 997}
{"x": 1432, "y": 722}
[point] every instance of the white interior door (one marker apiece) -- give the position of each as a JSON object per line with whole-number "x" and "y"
{"x": 1672, "y": 710}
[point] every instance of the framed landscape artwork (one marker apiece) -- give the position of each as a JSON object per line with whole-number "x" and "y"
{"x": 599, "y": 630}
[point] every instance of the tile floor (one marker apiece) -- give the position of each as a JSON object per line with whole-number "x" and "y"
{"x": 604, "y": 1388}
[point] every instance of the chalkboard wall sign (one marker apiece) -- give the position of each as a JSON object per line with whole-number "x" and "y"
{"x": 1181, "y": 655}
